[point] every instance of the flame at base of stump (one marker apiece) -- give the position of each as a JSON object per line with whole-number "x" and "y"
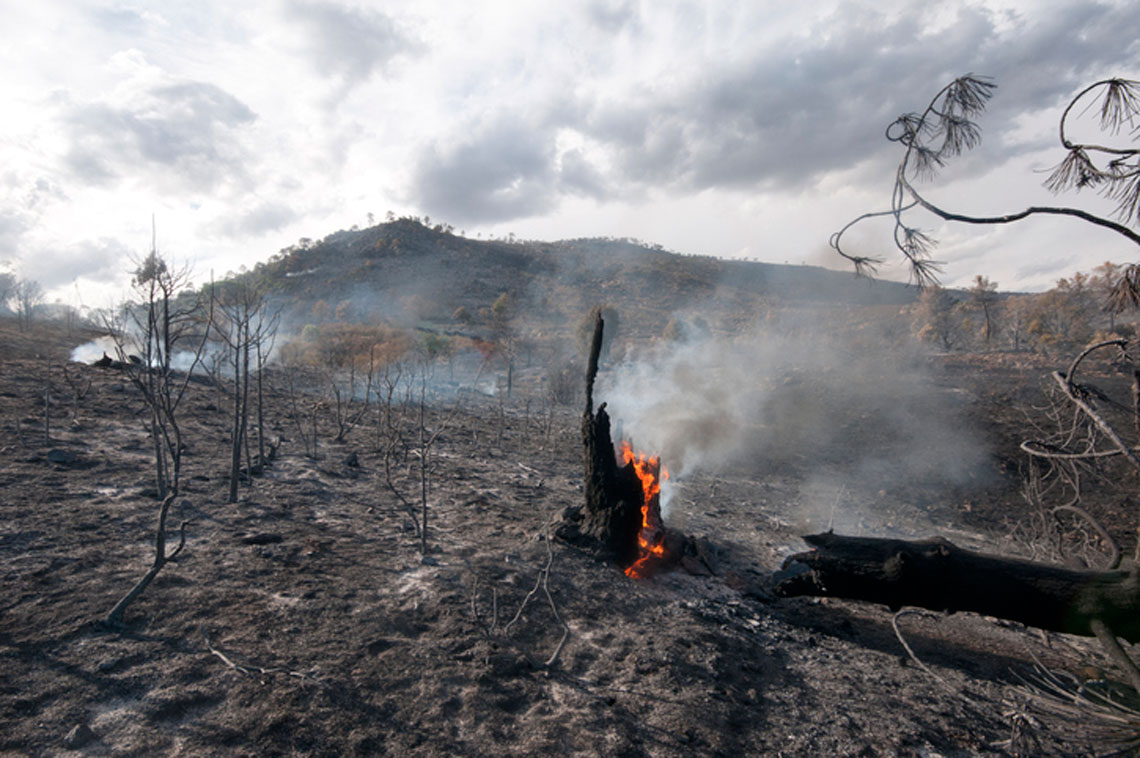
{"x": 620, "y": 519}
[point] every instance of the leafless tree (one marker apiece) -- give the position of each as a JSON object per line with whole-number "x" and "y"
{"x": 247, "y": 327}
{"x": 80, "y": 385}
{"x": 166, "y": 319}
{"x": 305, "y": 420}
{"x": 161, "y": 558}
{"x": 413, "y": 491}
{"x": 167, "y": 316}
{"x": 28, "y": 294}
{"x": 7, "y": 287}
{"x": 350, "y": 406}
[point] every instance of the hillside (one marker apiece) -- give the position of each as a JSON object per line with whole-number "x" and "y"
{"x": 410, "y": 273}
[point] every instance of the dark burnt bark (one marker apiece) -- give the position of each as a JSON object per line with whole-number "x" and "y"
{"x": 936, "y": 574}
{"x": 610, "y": 519}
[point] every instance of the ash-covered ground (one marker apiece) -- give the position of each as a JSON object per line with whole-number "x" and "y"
{"x": 303, "y": 620}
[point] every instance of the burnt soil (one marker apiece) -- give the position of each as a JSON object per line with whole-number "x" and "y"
{"x": 332, "y": 635}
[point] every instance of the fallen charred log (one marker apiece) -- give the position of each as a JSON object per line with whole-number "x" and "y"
{"x": 938, "y": 575}
{"x": 135, "y": 364}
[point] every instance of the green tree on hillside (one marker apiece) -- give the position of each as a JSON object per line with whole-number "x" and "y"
{"x": 502, "y": 323}
{"x": 983, "y": 295}
{"x": 937, "y": 318}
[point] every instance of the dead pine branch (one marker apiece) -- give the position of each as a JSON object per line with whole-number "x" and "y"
{"x": 1092, "y": 713}
{"x": 115, "y": 617}
{"x": 1116, "y": 652}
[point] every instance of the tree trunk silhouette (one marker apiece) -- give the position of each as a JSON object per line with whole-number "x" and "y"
{"x": 610, "y": 519}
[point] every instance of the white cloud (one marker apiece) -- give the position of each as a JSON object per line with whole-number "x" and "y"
{"x": 713, "y": 127}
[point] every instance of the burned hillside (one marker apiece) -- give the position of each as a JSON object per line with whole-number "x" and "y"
{"x": 306, "y": 619}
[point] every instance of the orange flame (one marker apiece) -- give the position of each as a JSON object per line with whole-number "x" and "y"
{"x": 651, "y": 538}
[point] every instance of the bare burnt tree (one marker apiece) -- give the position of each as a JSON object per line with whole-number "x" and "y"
{"x": 80, "y": 385}
{"x": 1083, "y": 446}
{"x": 7, "y": 287}
{"x": 610, "y": 519}
{"x": 266, "y": 331}
{"x": 246, "y": 326}
{"x": 28, "y": 295}
{"x": 166, "y": 320}
{"x": 946, "y": 128}
{"x": 389, "y": 411}
{"x": 48, "y": 387}
{"x": 303, "y": 410}
{"x": 413, "y": 450}
{"x": 161, "y": 558}
{"x": 983, "y": 295}
{"x": 348, "y": 401}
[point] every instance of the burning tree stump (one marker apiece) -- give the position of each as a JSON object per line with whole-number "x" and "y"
{"x": 620, "y": 519}
{"x": 936, "y": 574}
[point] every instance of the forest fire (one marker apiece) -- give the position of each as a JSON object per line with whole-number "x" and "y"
{"x": 651, "y": 538}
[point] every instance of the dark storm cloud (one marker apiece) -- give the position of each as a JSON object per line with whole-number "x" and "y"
{"x": 580, "y": 177}
{"x": 505, "y": 171}
{"x": 806, "y": 107}
{"x": 781, "y": 116}
{"x": 184, "y": 133}
{"x": 350, "y": 43}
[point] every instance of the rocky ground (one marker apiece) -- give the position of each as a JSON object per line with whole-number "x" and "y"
{"x": 303, "y": 620}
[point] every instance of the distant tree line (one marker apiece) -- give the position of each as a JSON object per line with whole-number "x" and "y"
{"x": 1077, "y": 310}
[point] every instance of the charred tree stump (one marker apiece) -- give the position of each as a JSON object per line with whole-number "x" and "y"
{"x": 609, "y": 521}
{"x": 936, "y": 574}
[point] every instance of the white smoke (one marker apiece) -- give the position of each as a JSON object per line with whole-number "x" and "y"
{"x": 92, "y": 351}
{"x": 864, "y": 415}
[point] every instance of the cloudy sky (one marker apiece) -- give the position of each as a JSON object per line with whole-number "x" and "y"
{"x": 741, "y": 128}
